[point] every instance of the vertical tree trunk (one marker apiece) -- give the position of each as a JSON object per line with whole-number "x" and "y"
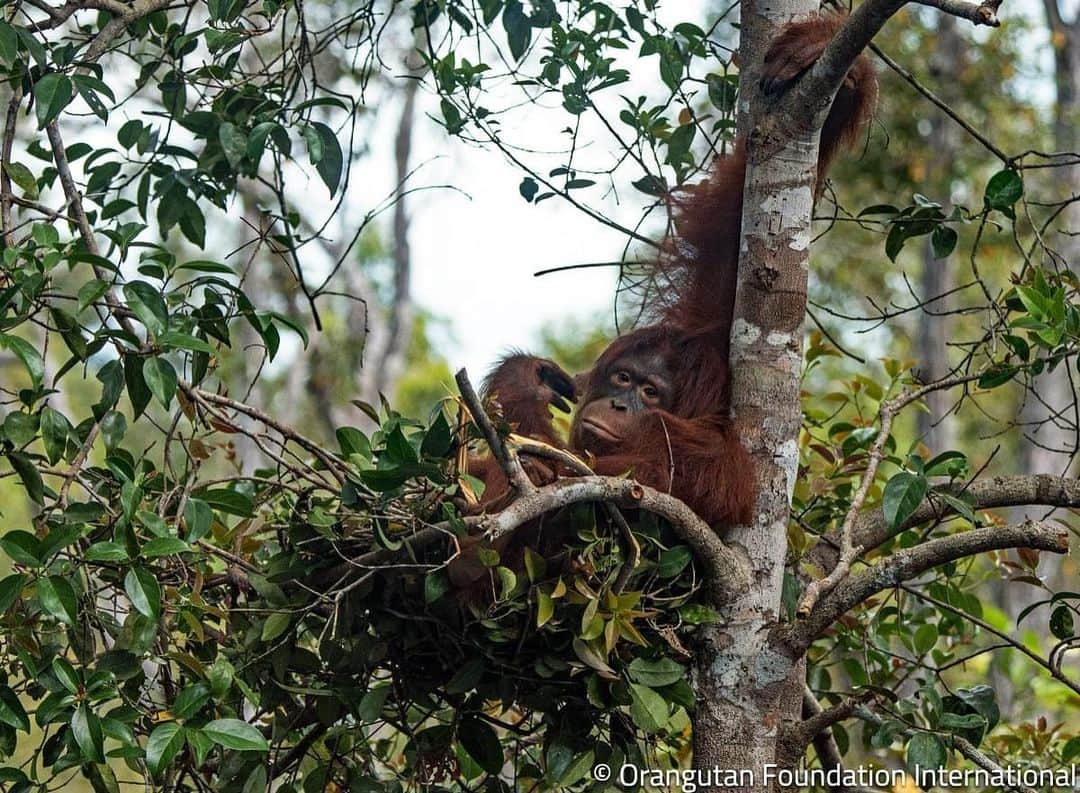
{"x": 747, "y": 690}
{"x": 1055, "y": 388}
{"x": 934, "y": 331}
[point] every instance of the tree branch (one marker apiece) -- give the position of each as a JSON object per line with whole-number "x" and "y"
{"x": 909, "y": 563}
{"x": 849, "y": 548}
{"x": 503, "y": 454}
{"x": 995, "y": 492}
{"x": 817, "y": 89}
{"x": 961, "y": 745}
{"x": 723, "y": 569}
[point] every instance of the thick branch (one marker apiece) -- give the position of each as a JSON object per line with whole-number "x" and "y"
{"x": 820, "y": 85}
{"x": 909, "y": 563}
{"x": 995, "y": 492}
{"x": 723, "y": 569}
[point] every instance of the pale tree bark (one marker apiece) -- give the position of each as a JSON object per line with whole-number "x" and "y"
{"x": 745, "y": 688}
{"x": 385, "y": 363}
{"x": 934, "y": 325}
{"x": 1049, "y": 420}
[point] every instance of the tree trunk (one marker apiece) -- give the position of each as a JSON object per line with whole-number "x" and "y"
{"x": 1050, "y": 423}
{"x": 746, "y": 689}
{"x": 934, "y": 327}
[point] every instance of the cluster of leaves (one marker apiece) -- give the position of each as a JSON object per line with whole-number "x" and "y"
{"x": 920, "y": 635}
{"x": 212, "y": 632}
{"x": 579, "y": 61}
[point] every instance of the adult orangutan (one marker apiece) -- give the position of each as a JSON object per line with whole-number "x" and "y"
{"x": 656, "y": 402}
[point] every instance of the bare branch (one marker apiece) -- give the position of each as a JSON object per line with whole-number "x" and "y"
{"x": 503, "y": 454}
{"x": 334, "y": 466}
{"x": 907, "y": 564}
{"x": 976, "y": 13}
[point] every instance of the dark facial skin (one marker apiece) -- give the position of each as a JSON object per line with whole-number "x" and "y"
{"x": 631, "y": 385}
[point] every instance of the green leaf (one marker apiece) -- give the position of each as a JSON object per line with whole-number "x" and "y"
{"x": 29, "y": 476}
{"x": 371, "y": 704}
{"x": 528, "y": 188}
{"x": 331, "y": 162}
{"x": 54, "y": 434}
{"x": 12, "y": 712}
{"x": 9, "y": 44}
{"x": 190, "y": 700}
{"x": 656, "y": 674}
{"x": 66, "y": 674}
{"x": 943, "y": 241}
{"x": 925, "y": 751}
{"x": 165, "y": 741}
{"x": 52, "y": 93}
{"x": 480, "y": 741}
{"x": 1061, "y": 623}
{"x": 161, "y": 379}
{"x": 275, "y": 625}
{"x": 230, "y": 502}
{"x": 436, "y": 584}
{"x": 142, "y": 588}
{"x": 925, "y": 638}
{"x": 236, "y": 734}
{"x": 164, "y": 546}
{"x": 10, "y": 589}
{"x": 86, "y": 727}
{"x": 648, "y": 709}
{"x": 673, "y": 561}
{"x": 467, "y": 677}
{"x": 518, "y": 28}
{"x": 903, "y": 494}
{"x": 113, "y": 429}
{"x": 106, "y": 551}
{"x": 23, "y": 177}
{"x": 58, "y": 598}
{"x": 28, "y": 354}
{"x": 353, "y": 441}
{"x": 148, "y": 305}
{"x": 233, "y": 143}
{"x": 1003, "y": 190}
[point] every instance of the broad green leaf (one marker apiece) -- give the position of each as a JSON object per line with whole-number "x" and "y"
{"x": 165, "y": 741}
{"x": 10, "y": 588}
{"x": 648, "y": 709}
{"x": 480, "y": 741}
{"x": 656, "y": 674}
{"x": 1003, "y": 190}
{"x": 86, "y": 727}
{"x": 106, "y": 551}
{"x": 54, "y": 434}
{"x": 164, "y": 546}
{"x": 28, "y": 354}
{"x": 902, "y": 496}
{"x": 12, "y": 712}
{"x": 144, "y": 592}
{"x": 925, "y": 751}
{"x": 52, "y": 93}
{"x": 148, "y": 305}
{"x": 161, "y": 379}
{"x": 275, "y": 625}
{"x": 58, "y": 598}
{"x": 23, "y": 177}
{"x": 236, "y": 734}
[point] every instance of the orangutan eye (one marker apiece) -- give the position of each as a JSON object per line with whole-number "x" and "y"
{"x": 622, "y": 378}
{"x": 651, "y": 392}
